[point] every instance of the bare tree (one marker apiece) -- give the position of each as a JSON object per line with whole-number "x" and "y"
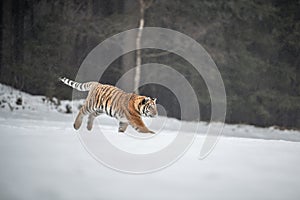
{"x": 137, "y": 77}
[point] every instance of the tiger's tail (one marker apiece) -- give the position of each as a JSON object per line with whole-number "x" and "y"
{"x": 78, "y": 86}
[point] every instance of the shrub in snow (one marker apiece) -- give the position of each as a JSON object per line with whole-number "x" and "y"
{"x": 19, "y": 101}
{"x": 68, "y": 108}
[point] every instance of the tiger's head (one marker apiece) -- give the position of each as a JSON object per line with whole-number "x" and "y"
{"x": 147, "y": 107}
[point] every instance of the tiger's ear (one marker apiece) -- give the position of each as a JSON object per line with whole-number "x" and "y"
{"x": 145, "y": 100}
{"x": 154, "y": 99}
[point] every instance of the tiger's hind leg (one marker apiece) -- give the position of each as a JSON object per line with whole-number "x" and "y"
{"x": 91, "y": 118}
{"x": 78, "y": 121}
{"x": 123, "y": 126}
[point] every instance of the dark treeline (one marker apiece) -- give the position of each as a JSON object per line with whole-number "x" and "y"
{"x": 255, "y": 44}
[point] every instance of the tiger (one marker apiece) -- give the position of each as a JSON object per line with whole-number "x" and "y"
{"x": 127, "y": 108}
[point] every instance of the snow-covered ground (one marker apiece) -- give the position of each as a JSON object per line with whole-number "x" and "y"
{"x": 43, "y": 158}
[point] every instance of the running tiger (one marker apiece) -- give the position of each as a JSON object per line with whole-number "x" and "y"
{"x": 127, "y": 108}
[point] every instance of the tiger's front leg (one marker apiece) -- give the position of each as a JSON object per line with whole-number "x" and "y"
{"x": 138, "y": 124}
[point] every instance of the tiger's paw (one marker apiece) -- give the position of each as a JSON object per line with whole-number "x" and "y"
{"x": 76, "y": 126}
{"x": 121, "y": 131}
{"x": 146, "y": 131}
{"x": 89, "y": 128}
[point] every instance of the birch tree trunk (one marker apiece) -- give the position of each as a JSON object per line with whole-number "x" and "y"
{"x": 137, "y": 76}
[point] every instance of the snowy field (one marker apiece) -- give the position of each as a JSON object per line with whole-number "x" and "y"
{"x": 43, "y": 158}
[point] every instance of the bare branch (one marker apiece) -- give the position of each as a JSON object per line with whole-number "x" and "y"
{"x": 154, "y": 55}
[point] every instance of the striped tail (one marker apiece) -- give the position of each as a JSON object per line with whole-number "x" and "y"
{"x": 78, "y": 86}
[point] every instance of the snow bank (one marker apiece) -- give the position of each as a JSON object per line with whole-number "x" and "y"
{"x": 42, "y": 158}
{"x": 40, "y": 107}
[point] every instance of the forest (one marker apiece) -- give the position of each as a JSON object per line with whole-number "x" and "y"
{"x": 255, "y": 45}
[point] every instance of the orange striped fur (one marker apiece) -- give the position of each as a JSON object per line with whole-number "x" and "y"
{"x": 125, "y": 107}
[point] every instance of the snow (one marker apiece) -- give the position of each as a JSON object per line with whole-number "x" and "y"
{"x": 42, "y": 158}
